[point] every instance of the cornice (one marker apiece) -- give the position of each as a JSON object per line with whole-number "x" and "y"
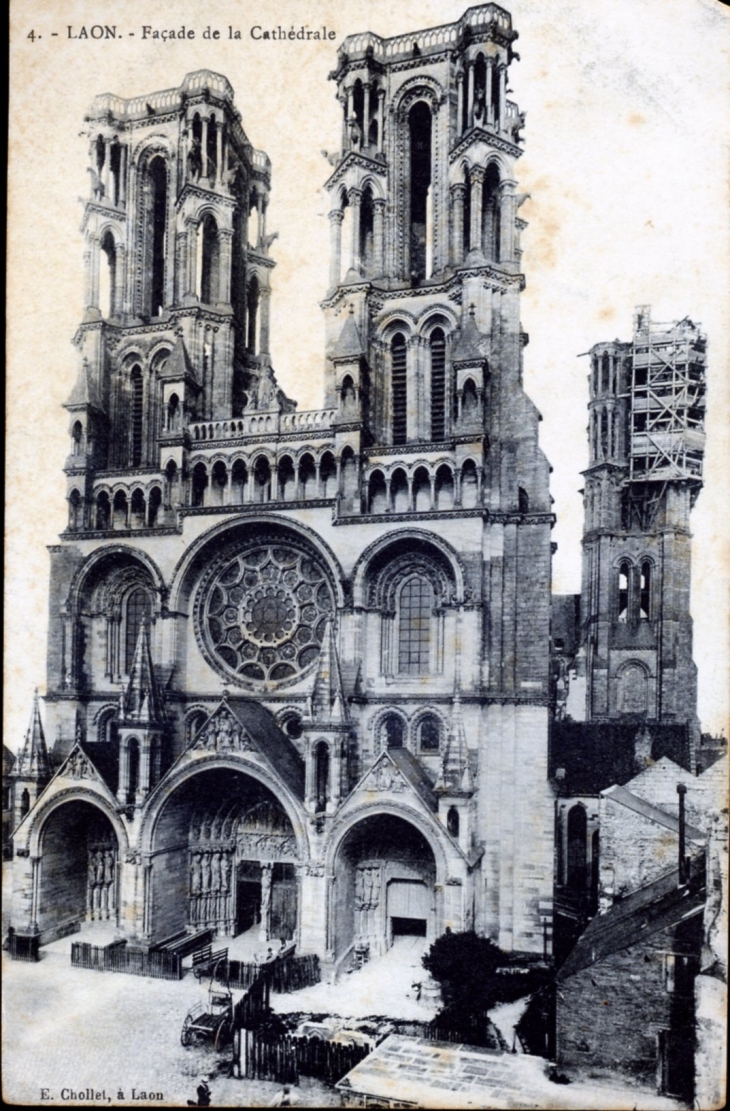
{"x": 355, "y": 158}
{"x": 477, "y": 134}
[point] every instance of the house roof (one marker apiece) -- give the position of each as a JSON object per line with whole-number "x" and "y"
{"x": 268, "y": 740}
{"x": 415, "y": 775}
{"x": 623, "y": 797}
{"x": 658, "y": 906}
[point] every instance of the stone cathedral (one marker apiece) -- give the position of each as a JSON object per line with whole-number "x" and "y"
{"x": 298, "y": 670}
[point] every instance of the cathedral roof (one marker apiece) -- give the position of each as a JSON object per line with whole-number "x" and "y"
{"x": 33, "y": 760}
{"x": 469, "y": 345}
{"x": 415, "y": 774}
{"x": 179, "y": 365}
{"x": 84, "y": 393}
{"x": 349, "y": 345}
{"x": 328, "y": 698}
{"x": 142, "y": 701}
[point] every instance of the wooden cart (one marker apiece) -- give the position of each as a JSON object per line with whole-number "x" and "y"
{"x": 211, "y": 1020}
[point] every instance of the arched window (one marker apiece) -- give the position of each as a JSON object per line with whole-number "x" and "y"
{"x": 211, "y": 152}
{"x": 491, "y": 224}
{"x": 452, "y": 822}
{"x": 136, "y": 416}
{"x": 624, "y": 580}
{"x": 480, "y": 91}
{"x": 287, "y": 479}
{"x": 253, "y": 308}
{"x": 366, "y": 230}
{"x": 321, "y": 776}
{"x": 24, "y": 802}
{"x": 414, "y": 627}
{"x": 75, "y": 520}
{"x": 605, "y": 372}
{"x": 103, "y": 511}
{"x": 444, "y": 488}
{"x": 429, "y": 733}
{"x": 523, "y": 500}
{"x": 469, "y": 485}
{"x": 262, "y": 479}
{"x": 645, "y": 591}
{"x": 328, "y": 475}
{"x": 377, "y": 493}
{"x": 348, "y": 473}
{"x": 120, "y": 508}
{"x": 153, "y": 506}
{"x": 633, "y": 689}
{"x": 132, "y": 769}
{"x": 469, "y": 401}
{"x": 155, "y": 234}
{"x": 422, "y": 490}
{"x": 399, "y": 389}
{"x": 108, "y": 276}
{"x": 219, "y": 482}
{"x": 193, "y": 724}
{"x": 199, "y": 484}
{"x": 239, "y": 482}
{"x": 577, "y": 847}
{"x": 77, "y": 438}
{"x": 307, "y": 477}
{"x": 137, "y": 610}
{"x": 399, "y": 491}
{"x": 209, "y": 253}
{"x": 392, "y": 731}
{"x": 106, "y": 726}
{"x": 173, "y": 413}
{"x": 137, "y": 508}
{"x": 438, "y": 384}
{"x": 419, "y": 124}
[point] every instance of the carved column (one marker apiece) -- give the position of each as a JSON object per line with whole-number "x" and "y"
{"x": 476, "y": 182}
{"x": 461, "y": 115}
{"x": 365, "y": 113}
{"x": 502, "y": 71}
{"x": 264, "y": 308}
{"x": 204, "y": 149}
{"x": 225, "y": 237}
{"x": 470, "y": 101}
{"x": 266, "y": 871}
{"x": 354, "y": 196}
{"x": 488, "y": 92}
{"x": 378, "y": 232}
{"x": 506, "y": 202}
{"x": 458, "y": 196}
{"x": 219, "y": 152}
{"x": 192, "y": 253}
{"x": 335, "y": 217}
{"x": 381, "y": 102}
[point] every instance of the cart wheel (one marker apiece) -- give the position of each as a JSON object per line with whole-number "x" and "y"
{"x": 186, "y": 1034}
{"x": 223, "y": 1033}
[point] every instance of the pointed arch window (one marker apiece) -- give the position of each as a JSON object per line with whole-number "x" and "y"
{"x": 137, "y": 610}
{"x": 438, "y": 385}
{"x": 392, "y": 731}
{"x": 416, "y": 605}
{"x": 156, "y": 234}
{"x": 399, "y": 388}
{"x": 420, "y": 123}
{"x": 137, "y": 414}
{"x": 429, "y": 733}
{"x": 645, "y": 591}
{"x": 624, "y": 579}
{"x": 321, "y": 776}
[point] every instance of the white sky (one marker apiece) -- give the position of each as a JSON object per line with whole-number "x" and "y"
{"x": 625, "y": 160}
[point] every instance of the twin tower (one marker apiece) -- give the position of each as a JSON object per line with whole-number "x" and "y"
{"x": 311, "y": 648}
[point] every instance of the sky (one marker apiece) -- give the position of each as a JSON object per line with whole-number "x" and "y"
{"x": 625, "y": 160}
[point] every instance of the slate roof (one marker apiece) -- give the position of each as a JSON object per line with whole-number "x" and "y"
{"x": 349, "y": 345}
{"x": 658, "y": 906}
{"x": 274, "y": 745}
{"x": 415, "y": 774}
{"x": 640, "y": 806}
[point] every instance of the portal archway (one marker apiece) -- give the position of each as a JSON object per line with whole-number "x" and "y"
{"x": 384, "y": 885}
{"x": 224, "y": 855}
{"x": 79, "y": 867}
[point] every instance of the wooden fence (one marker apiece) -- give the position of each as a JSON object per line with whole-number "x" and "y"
{"x": 294, "y": 973}
{"x": 253, "y": 1004}
{"x": 119, "y": 957}
{"x": 286, "y": 1058}
{"x": 477, "y": 1031}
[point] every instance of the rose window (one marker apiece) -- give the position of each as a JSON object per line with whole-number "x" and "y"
{"x": 263, "y": 611}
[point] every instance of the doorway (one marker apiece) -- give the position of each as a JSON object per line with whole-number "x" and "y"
{"x": 248, "y": 895}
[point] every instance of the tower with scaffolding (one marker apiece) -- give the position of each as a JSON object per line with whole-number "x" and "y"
{"x": 647, "y": 440}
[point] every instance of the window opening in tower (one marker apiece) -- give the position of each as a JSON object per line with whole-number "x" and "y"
{"x": 158, "y": 219}
{"x": 419, "y": 121}
{"x": 399, "y": 388}
{"x": 438, "y": 385}
{"x": 137, "y": 415}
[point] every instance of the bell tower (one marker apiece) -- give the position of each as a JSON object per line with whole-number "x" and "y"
{"x": 646, "y": 432}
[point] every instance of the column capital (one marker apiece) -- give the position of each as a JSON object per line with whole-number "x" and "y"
{"x": 458, "y": 189}
{"x": 354, "y": 195}
{"x": 477, "y": 174}
{"x": 379, "y": 204}
{"x": 336, "y": 216}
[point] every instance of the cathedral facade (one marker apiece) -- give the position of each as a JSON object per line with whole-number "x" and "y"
{"x": 299, "y": 662}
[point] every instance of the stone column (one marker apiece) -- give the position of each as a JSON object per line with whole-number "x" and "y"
{"x": 94, "y": 266}
{"x": 264, "y": 307}
{"x": 354, "y": 196}
{"x": 225, "y": 238}
{"x": 335, "y": 217}
{"x": 119, "y": 277}
{"x": 458, "y": 196}
{"x": 266, "y": 870}
{"x": 461, "y": 115}
{"x": 106, "y": 175}
{"x": 506, "y": 202}
{"x": 122, "y": 175}
{"x": 488, "y": 92}
{"x": 476, "y": 181}
{"x": 502, "y": 71}
{"x": 219, "y": 152}
{"x": 365, "y": 113}
{"x": 470, "y": 100}
{"x": 192, "y": 253}
{"x": 381, "y": 102}
{"x": 378, "y": 236}
{"x": 204, "y": 150}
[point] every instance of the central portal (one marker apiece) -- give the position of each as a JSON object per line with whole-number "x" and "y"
{"x": 225, "y": 859}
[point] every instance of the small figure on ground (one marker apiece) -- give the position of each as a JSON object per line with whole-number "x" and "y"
{"x": 203, "y": 1099}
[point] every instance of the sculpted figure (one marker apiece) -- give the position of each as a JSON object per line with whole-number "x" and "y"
{"x": 195, "y": 874}
{"x": 205, "y": 874}
{"x": 215, "y": 872}
{"x": 195, "y": 161}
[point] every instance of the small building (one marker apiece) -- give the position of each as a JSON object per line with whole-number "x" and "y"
{"x": 625, "y": 995}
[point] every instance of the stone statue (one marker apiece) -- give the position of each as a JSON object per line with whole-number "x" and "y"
{"x": 215, "y": 872}
{"x": 205, "y": 874}
{"x": 195, "y": 160}
{"x": 195, "y": 874}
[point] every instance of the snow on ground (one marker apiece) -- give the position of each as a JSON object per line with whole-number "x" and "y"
{"x": 381, "y": 987}
{"x": 505, "y": 1017}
